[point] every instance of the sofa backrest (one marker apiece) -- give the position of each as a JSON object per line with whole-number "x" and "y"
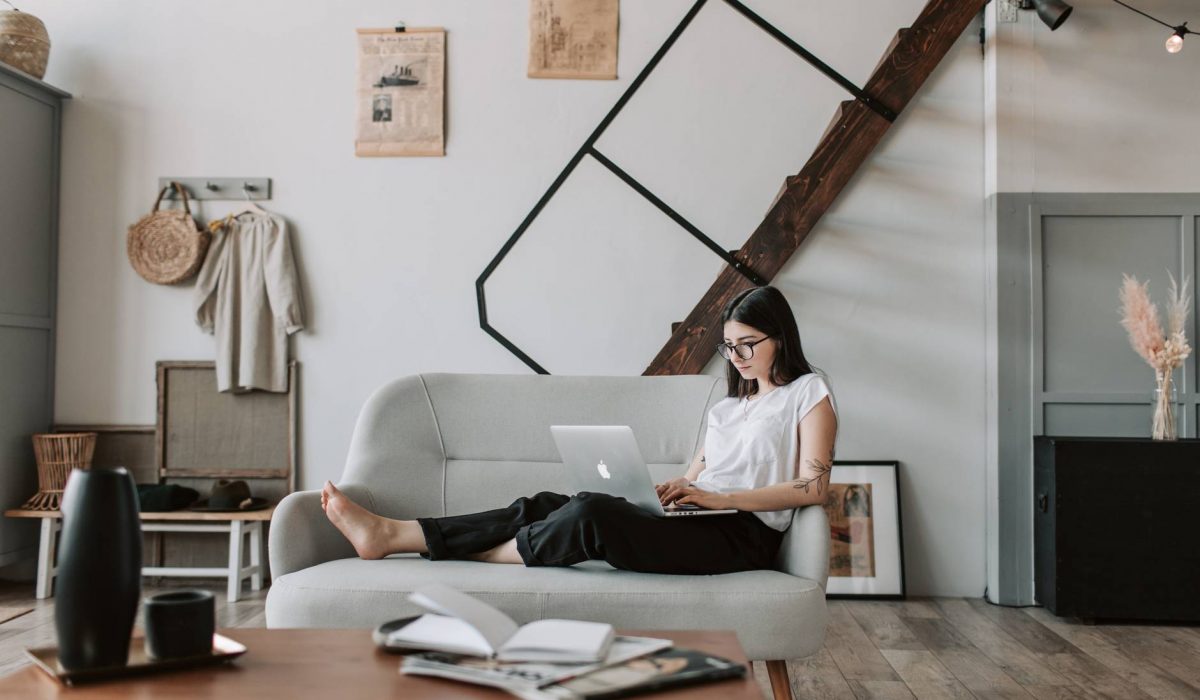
{"x": 444, "y": 444}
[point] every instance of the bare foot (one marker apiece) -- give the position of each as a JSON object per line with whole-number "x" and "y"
{"x": 369, "y": 533}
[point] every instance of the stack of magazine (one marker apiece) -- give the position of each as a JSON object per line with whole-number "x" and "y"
{"x": 467, "y": 640}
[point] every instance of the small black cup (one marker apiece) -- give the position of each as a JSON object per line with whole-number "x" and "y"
{"x": 179, "y": 623}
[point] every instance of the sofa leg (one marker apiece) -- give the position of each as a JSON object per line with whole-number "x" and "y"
{"x": 781, "y": 685}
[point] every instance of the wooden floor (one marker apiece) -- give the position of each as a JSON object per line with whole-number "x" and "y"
{"x": 927, "y": 648}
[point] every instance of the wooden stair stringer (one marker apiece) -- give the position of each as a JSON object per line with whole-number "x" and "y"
{"x": 852, "y": 135}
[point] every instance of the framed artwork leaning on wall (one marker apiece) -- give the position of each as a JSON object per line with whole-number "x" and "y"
{"x": 866, "y": 547}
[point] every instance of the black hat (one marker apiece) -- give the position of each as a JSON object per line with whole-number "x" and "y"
{"x": 229, "y": 496}
{"x": 157, "y": 498}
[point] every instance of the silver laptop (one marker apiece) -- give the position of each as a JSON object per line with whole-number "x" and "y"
{"x": 606, "y": 459}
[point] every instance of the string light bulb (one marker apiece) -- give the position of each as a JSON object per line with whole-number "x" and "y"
{"x": 1175, "y": 41}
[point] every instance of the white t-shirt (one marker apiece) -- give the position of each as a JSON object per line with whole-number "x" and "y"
{"x": 752, "y": 444}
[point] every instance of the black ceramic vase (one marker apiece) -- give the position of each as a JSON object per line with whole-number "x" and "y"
{"x": 99, "y": 579}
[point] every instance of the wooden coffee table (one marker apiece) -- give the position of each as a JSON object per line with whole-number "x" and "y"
{"x": 333, "y": 664}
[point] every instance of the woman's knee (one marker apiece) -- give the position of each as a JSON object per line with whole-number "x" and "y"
{"x": 543, "y": 497}
{"x": 596, "y": 506}
{"x": 540, "y": 504}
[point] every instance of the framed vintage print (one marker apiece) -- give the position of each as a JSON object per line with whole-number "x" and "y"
{"x": 573, "y": 39}
{"x": 401, "y": 92}
{"x": 866, "y": 548}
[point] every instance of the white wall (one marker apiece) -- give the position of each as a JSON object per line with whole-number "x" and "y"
{"x": 888, "y": 291}
{"x": 1097, "y": 105}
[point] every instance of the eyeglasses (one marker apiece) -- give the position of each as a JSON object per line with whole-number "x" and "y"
{"x": 745, "y": 350}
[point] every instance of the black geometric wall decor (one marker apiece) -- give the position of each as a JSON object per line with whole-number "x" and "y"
{"x": 589, "y": 149}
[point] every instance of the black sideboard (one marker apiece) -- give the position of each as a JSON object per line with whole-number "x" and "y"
{"x": 1117, "y": 527}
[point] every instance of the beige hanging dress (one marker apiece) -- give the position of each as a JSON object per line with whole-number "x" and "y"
{"x": 248, "y": 295}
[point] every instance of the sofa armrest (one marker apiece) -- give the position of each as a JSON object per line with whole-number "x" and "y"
{"x": 804, "y": 551}
{"x": 301, "y": 534}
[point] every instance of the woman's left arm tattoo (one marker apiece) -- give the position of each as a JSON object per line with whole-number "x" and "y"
{"x": 818, "y": 469}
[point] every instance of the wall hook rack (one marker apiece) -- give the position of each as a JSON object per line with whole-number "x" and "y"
{"x": 218, "y": 188}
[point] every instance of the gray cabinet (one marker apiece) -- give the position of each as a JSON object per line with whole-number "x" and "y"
{"x": 30, "y": 120}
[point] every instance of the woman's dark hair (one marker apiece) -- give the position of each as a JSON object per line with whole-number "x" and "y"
{"x": 765, "y": 309}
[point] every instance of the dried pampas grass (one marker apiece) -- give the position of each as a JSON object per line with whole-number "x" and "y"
{"x": 1162, "y": 351}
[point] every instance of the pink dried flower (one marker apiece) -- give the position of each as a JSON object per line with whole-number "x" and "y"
{"x": 1178, "y": 305}
{"x": 1140, "y": 319}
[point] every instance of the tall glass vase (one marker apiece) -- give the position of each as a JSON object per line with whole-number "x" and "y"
{"x": 1164, "y": 426}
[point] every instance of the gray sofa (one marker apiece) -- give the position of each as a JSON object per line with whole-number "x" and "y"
{"x": 437, "y": 444}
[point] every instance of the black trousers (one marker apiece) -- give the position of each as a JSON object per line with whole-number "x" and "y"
{"x": 556, "y": 530}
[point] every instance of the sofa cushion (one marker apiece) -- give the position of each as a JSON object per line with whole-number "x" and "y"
{"x": 770, "y": 610}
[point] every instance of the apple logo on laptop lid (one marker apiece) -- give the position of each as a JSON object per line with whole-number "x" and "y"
{"x": 603, "y": 469}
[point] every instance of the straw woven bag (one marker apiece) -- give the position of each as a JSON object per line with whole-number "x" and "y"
{"x": 166, "y": 247}
{"x": 57, "y": 455}
{"x": 24, "y": 43}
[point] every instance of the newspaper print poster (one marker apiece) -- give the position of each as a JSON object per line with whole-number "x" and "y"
{"x": 850, "y": 510}
{"x": 573, "y": 39}
{"x": 401, "y": 92}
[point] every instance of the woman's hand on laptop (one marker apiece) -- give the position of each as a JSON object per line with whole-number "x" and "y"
{"x": 671, "y": 490}
{"x": 692, "y": 496}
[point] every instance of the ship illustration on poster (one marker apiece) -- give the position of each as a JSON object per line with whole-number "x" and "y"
{"x": 401, "y": 76}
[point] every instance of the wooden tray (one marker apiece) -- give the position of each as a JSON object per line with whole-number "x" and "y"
{"x": 46, "y": 658}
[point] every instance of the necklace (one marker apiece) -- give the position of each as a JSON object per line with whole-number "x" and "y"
{"x": 746, "y": 409}
{"x": 746, "y": 405}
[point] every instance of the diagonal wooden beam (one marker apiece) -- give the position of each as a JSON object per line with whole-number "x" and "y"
{"x": 806, "y": 196}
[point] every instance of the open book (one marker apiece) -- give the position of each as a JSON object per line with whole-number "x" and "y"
{"x": 523, "y": 675}
{"x": 465, "y": 625}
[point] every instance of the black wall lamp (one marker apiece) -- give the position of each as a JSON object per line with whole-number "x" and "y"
{"x": 1052, "y": 12}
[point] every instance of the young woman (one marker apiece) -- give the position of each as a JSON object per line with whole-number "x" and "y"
{"x": 768, "y": 450}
